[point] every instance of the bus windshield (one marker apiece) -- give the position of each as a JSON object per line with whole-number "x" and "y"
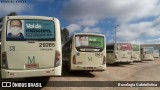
{"x": 124, "y": 46}
{"x": 89, "y": 41}
{"x": 35, "y": 30}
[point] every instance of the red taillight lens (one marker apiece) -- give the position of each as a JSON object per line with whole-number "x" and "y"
{"x": 74, "y": 59}
{"x": 115, "y": 56}
{"x": 4, "y": 60}
{"x": 131, "y": 57}
{"x": 57, "y": 59}
{"x": 104, "y": 60}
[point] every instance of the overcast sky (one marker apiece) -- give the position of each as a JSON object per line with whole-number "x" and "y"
{"x": 137, "y": 20}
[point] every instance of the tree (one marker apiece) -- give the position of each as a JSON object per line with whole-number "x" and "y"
{"x": 1, "y": 19}
{"x": 10, "y": 14}
{"x": 64, "y": 35}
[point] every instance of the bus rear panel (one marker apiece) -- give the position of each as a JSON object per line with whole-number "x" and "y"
{"x": 156, "y": 53}
{"x": 119, "y": 52}
{"x": 87, "y": 53}
{"x": 34, "y": 51}
{"x": 136, "y": 56}
{"x": 147, "y": 53}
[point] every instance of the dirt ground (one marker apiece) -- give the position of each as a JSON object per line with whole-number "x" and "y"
{"x": 136, "y": 71}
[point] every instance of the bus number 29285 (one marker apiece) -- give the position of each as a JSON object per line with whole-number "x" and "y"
{"x": 46, "y": 44}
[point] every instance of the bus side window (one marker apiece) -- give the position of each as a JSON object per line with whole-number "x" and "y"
{"x": 70, "y": 45}
{"x": 107, "y": 47}
{"x": 141, "y": 51}
{"x": 112, "y": 47}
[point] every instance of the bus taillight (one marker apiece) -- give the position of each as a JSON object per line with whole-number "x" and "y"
{"x": 116, "y": 57}
{"x": 131, "y": 57}
{"x": 57, "y": 59}
{"x": 104, "y": 60}
{"x": 4, "y": 60}
{"x": 74, "y": 59}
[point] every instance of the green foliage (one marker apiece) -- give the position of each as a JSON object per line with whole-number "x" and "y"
{"x": 1, "y": 19}
{"x": 64, "y": 35}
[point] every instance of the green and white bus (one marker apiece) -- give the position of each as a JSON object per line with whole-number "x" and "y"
{"x": 156, "y": 53}
{"x": 31, "y": 47}
{"x": 136, "y": 54}
{"x": 147, "y": 53}
{"x": 86, "y": 52}
{"x": 118, "y": 52}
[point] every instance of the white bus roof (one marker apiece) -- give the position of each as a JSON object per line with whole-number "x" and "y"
{"x": 147, "y": 47}
{"x": 29, "y": 17}
{"x": 88, "y": 34}
{"x": 116, "y": 43}
{"x": 149, "y": 43}
{"x": 136, "y": 44}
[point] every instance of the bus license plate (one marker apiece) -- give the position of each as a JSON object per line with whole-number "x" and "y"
{"x": 32, "y": 66}
{"x": 89, "y": 68}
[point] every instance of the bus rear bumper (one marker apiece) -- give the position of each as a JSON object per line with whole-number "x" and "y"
{"x": 156, "y": 57}
{"x": 5, "y": 73}
{"x": 89, "y": 68}
{"x": 149, "y": 59}
{"x": 136, "y": 59}
{"x": 118, "y": 61}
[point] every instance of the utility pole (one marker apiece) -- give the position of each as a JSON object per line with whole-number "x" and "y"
{"x": 116, "y": 33}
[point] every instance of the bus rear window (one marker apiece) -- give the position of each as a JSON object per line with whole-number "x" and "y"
{"x": 89, "y": 41}
{"x": 149, "y": 50}
{"x": 38, "y": 30}
{"x": 156, "y": 51}
{"x": 124, "y": 46}
{"x": 136, "y": 47}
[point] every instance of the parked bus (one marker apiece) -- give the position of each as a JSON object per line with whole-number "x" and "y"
{"x": 31, "y": 47}
{"x": 118, "y": 52}
{"x": 147, "y": 53}
{"x": 136, "y": 54}
{"x": 85, "y": 51}
{"x": 156, "y": 53}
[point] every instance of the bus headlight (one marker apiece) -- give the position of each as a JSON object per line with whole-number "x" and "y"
{"x": 57, "y": 59}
